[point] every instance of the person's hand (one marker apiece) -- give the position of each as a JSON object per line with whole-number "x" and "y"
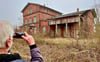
{"x": 29, "y": 39}
{"x": 8, "y": 43}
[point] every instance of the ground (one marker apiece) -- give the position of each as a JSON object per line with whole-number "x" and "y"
{"x": 61, "y": 49}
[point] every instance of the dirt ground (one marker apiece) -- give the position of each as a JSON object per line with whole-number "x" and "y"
{"x": 61, "y": 49}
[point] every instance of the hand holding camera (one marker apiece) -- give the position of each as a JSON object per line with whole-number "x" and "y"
{"x": 18, "y": 34}
{"x": 28, "y": 38}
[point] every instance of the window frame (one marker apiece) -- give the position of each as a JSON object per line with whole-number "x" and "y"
{"x": 35, "y": 19}
{"x": 44, "y": 30}
{"x": 26, "y": 21}
{"x": 30, "y": 11}
{"x": 30, "y": 19}
{"x": 47, "y": 10}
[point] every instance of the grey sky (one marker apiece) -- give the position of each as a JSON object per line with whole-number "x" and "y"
{"x": 11, "y": 9}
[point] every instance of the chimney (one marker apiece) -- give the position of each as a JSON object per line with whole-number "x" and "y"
{"x": 44, "y": 5}
{"x": 77, "y": 9}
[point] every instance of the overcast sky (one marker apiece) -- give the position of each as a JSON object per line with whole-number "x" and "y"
{"x": 11, "y": 9}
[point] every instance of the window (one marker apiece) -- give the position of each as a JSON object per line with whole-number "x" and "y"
{"x": 25, "y": 28}
{"x": 44, "y": 30}
{"x": 29, "y": 10}
{"x": 46, "y": 10}
{"x": 25, "y": 21}
{"x": 34, "y": 19}
{"x": 57, "y": 14}
{"x": 30, "y": 20}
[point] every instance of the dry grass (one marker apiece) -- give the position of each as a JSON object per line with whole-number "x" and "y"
{"x": 61, "y": 49}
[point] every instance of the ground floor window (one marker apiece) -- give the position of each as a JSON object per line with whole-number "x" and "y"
{"x": 44, "y": 30}
{"x": 25, "y": 28}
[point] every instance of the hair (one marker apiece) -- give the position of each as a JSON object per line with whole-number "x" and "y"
{"x": 6, "y": 31}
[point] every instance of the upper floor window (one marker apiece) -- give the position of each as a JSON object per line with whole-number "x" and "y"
{"x": 57, "y": 14}
{"x": 30, "y": 20}
{"x": 34, "y": 18}
{"x": 29, "y": 10}
{"x": 46, "y": 10}
{"x": 25, "y": 21}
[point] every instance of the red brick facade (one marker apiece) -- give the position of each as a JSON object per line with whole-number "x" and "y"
{"x": 32, "y": 10}
{"x": 38, "y": 18}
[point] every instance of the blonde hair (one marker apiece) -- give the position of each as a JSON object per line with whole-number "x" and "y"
{"x": 6, "y": 31}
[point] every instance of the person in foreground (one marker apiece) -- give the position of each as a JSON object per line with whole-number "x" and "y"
{"x": 6, "y": 40}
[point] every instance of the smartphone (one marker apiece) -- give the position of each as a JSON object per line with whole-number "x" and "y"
{"x": 18, "y": 34}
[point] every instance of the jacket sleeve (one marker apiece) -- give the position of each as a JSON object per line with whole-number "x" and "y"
{"x": 35, "y": 54}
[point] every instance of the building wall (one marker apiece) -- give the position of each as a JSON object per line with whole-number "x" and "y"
{"x": 35, "y": 8}
{"x": 42, "y": 9}
{"x": 39, "y": 12}
{"x": 73, "y": 22}
{"x": 44, "y": 24}
{"x": 90, "y": 22}
{"x": 31, "y": 16}
{"x": 44, "y": 16}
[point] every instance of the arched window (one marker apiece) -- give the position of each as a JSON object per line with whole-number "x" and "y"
{"x": 44, "y": 30}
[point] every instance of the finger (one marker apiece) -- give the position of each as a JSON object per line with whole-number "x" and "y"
{"x": 24, "y": 37}
{"x": 26, "y": 34}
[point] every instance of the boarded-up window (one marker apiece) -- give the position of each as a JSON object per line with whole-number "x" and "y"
{"x": 30, "y": 20}
{"x": 44, "y": 30}
{"x": 25, "y": 21}
{"x": 34, "y": 19}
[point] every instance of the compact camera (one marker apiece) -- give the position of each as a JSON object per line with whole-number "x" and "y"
{"x": 18, "y": 34}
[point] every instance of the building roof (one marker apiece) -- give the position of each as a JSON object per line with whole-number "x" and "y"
{"x": 75, "y": 13}
{"x": 80, "y": 13}
{"x": 41, "y": 6}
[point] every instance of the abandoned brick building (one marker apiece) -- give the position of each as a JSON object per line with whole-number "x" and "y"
{"x": 41, "y": 19}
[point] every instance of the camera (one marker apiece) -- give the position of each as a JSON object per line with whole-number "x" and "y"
{"x": 18, "y": 34}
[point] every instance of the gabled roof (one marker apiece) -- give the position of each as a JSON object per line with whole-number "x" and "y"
{"x": 41, "y": 6}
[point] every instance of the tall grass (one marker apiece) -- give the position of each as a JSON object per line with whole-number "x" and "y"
{"x": 62, "y": 49}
